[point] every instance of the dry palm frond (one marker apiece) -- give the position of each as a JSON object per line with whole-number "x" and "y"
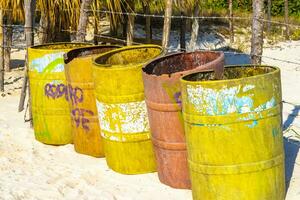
{"x": 14, "y": 8}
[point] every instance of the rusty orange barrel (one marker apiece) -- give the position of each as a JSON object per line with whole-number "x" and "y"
{"x": 83, "y": 110}
{"x": 49, "y": 93}
{"x": 233, "y": 128}
{"x": 122, "y": 109}
{"x": 163, "y": 98}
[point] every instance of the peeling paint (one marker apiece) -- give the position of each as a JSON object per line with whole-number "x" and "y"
{"x": 224, "y": 101}
{"x": 48, "y": 63}
{"x": 254, "y": 123}
{"x": 127, "y": 118}
{"x": 248, "y": 87}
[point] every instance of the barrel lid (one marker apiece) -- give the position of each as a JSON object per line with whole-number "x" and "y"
{"x": 102, "y": 60}
{"x": 182, "y": 63}
{"x": 232, "y": 73}
{"x": 87, "y": 51}
{"x": 60, "y": 46}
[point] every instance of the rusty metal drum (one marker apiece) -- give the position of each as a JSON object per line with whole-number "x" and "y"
{"x": 163, "y": 98}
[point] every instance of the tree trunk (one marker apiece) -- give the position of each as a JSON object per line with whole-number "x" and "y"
{"x": 44, "y": 29}
{"x": 8, "y": 41}
{"x": 257, "y": 31}
{"x": 96, "y": 32}
{"x": 231, "y": 28}
{"x": 182, "y": 33}
{"x": 125, "y": 21}
{"x": 269, "y": 15}
{"x": 1, "y": 53}
{"x": 286, "y": 19}
{"x": 130, "y": 25}
{"x": 167, "y": 24}
{"x": 195, "y": 28}
{"x": 146, "y": 9}
{"x": 29, "y": 7}
{"x": 83, "y": 20}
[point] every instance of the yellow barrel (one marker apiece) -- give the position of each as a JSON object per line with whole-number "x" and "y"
{"x": 122, "y": 109}
{"x": 49, "y": 93}
{"x": 234, "y": 134}
{"x": 84, "y": 115}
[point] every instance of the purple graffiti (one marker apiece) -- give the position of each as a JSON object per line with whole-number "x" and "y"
{"x": 54, "y": 91}
{"x": 79, "y": 117}
{"x": 177, "y": 97}
{"x": 75, "y": 94}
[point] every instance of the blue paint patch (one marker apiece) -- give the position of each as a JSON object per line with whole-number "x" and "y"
{"x": 207, "y": 125}
{"x": 275, "y": 132}
{"x": 254, "y": 123}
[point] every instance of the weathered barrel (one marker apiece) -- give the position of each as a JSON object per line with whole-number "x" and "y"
{"x": 122, "y": 109}
{"x": 163, "y": 98}
{"x": 49, "y": 93}
{"x": 84, "y": 115}
{"x": 234, "y": 133}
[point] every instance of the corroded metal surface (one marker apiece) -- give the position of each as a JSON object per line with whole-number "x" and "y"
{"x": 163, "y": 97}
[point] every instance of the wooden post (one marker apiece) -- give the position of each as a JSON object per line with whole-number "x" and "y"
{"x": 44, "y": 35}
{"x": 146, "y": 9}
{"x": 8, "y": 40}
{"x": 130, "y": 25}
{"x": 231, "y": 27}
{"x": 182, "y": 32}
{"x": 29, "y": 7}
{"x": 1, "y": 53}
{"x": 286, "y": 19}
{"x": 195, "y": 28}
{"x": 167, "y": 24}
{"x": 257, "y": 31}
{"x": 83, "y": 20}
{"x": 269, "y": 15}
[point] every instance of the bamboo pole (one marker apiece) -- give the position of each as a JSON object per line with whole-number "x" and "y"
{"x": 231, "y": 27}
{"x": 257, "y": 32}
{"x": 83, "y": 20}
{"x": 195, "y": 27}
{"x": 8, "y": 40}
{"x": 146, "y": 9}
{"x": 269, "y": 15}
{"x": 286, "y": 19}
{"x": 29, "y": 7}
{"x": 1, "y": 53}
{"x": 182, "y": 32}
{"x": 167, "y": 25}
{"x": 130, "y": 25}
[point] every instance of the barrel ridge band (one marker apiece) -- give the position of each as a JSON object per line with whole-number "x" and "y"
{"x": 180, "y": 146}
{"x": 236, "y": 169}
{"x": 125, "y": 137}
{"x": 231, "y": 118}
{"x": 163, "y": 107}
{"x": 46, "y": 76}
{"x": 120, "y": 99}
{"x": 47, "y": 111}
{"x": 82, "y": 85}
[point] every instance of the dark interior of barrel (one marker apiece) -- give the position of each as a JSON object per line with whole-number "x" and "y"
{"x": 129, "y": 56}
{"x": 82, "y": 52}
{"x": 235, "y": 72}
{"x": 179, "y": 62}
{"x": 61, "y": 46}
